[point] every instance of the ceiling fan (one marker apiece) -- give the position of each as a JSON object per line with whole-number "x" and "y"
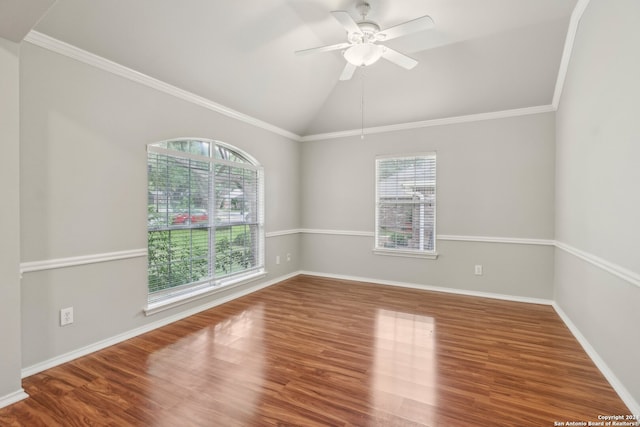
{"x": 362, "y": 47}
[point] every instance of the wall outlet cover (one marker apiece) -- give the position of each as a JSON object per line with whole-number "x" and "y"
{"x": 66, "y": 316}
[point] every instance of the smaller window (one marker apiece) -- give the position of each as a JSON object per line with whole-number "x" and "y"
{"x": 406, "y": 205}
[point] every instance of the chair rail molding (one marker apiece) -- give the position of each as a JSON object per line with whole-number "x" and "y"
{"x": 610, "y": 267}
{"x": 50, "y": 264}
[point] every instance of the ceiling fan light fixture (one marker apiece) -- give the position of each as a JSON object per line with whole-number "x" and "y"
{"x": 362, "y": 38}
{"x": 363, "y": 54}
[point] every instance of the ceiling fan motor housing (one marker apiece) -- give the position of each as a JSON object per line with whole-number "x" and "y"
{"x": 368, "y": 29}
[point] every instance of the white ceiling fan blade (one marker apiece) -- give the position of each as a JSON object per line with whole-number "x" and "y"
{"x": 322, "y": 49}
{"x": 406, "y": 28}
{"x": 348, "y": 71}
{"x": 346, "y": 21}
{"x": 399, "y": 58}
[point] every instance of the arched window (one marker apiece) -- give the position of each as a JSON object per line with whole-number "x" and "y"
{"x": 205, "y": 217}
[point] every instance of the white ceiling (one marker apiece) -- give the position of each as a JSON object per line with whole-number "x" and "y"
{"x": 17, "y": 17}
{"x": 482, "y": 56}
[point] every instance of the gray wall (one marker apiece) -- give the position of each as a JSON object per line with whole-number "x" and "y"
{"x": 597, "y": 195}
{"x": 82, "y": 134}
{"x": 83, "y": 192}
{"x": 495, "y": 178}
{"x": 9, "y": 220}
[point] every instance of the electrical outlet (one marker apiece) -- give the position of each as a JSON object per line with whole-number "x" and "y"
{"x": 66, "y": 316}
{"x": 478, "y": 270}
{"x": 288, "y": 257}
{"x": 277, "y": 259}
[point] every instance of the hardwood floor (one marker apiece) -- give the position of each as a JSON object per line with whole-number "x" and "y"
{"x": 323, "y": 352}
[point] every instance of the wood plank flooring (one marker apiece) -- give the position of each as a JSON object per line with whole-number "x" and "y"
{"x": 321, "y": 352}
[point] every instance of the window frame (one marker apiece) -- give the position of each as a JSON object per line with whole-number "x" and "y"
{"x": 404, "y": 252}
{"x": 182, "y": 293}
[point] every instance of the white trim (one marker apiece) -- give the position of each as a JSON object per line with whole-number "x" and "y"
{"x": 187, "y": 297}
{"x": 46, "y": 42}
{"x": 576, "y": 15}
{"x": 482, "y": 239}
{"x": 252, "y": 161}
{"x": 528, "y": 300}
{"x": 12, "y": 398}
{"x": 282, "y": 232}
{"x": 50, "y": 264}
{"x": 615, "y": 269}
{"x": 619, "y": 388}
{"x": 405, "y": 253}
{"x": 62, "y": 48}
{"x": 252, "y": 165}
{"x": 572, "y": 30}
{"x": 91, "y": 348}
{"x": 621, "y": 272}
{"x": 81, "y": 55}
{"x": 600, "y": 364}
{"x": 33, "y": 266}
{"x": 491, "y": 239}
{"x": 435, "y": 122}
{"x": 622, "y": 391}
{"x": 337, "y": 232}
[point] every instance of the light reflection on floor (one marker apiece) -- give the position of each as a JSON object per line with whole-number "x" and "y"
{"x": 404, "y": 373}
{"x": 238, "y": 344}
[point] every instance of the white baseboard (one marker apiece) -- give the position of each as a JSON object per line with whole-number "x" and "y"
{"x": 514, "y": 298}
{"x": 12, "y": 398}
{"x": 619, "y": 388}
{"x": 622, "y": 391}
{"x": 624, "y": 394}
{"x": 91, "y": 348}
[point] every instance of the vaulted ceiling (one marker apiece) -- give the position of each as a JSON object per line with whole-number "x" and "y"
{"x": 482, "y": 55}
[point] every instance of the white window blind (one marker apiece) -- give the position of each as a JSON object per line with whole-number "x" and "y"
{"x": 406, "y": 203}
{"x": 204, "y": 216}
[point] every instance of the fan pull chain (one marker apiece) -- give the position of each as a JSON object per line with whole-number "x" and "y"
{"x": 362, "y": 107}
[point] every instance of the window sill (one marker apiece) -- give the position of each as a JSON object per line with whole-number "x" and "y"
{"x": 186, "y": 297}
{"x": 405, "y": 253}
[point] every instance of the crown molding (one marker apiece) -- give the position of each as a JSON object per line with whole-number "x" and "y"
{"x": 60, "y": 47}
{"x": 576, "y": 15}
{"x": 70, "y": 51}
{"x": 429, "y": 123}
